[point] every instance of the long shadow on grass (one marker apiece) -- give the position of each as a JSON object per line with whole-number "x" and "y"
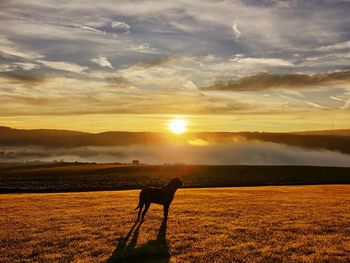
{"x": 152, "y": 251}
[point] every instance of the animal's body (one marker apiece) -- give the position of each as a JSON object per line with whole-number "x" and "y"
{"x": 163, "y": 196}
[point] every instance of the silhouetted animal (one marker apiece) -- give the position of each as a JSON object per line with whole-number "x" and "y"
{"x": 162, "y": 196}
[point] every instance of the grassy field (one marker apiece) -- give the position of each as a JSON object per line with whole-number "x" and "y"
{"x": 97, "y": 177}
{"x": 247, "y": 224}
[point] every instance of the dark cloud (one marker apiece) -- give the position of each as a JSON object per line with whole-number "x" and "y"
{"x": 272, "y": 81}
{"x": 159, "y": 61}
{"x": 118, "y": 82}
{"x": 16, "y": 78}
{"x": 294, "y": 3}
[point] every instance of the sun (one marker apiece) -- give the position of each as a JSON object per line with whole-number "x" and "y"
{"x": 178, "y": 126}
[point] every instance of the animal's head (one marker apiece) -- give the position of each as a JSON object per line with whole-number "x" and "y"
{"x": 175, "y": 183}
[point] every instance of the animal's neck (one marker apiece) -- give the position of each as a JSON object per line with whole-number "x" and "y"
{"x": 170, "y": 189}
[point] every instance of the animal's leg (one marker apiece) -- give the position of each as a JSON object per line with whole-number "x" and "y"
{"x": 139, "y": 213}
{"x": 166, "y": 210}
{"x": 145, "y": 210}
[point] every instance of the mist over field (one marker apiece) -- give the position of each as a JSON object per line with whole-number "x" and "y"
{"x": 244, "y": 153}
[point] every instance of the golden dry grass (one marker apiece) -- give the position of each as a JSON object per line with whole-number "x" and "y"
{"x": 250, "y": 224}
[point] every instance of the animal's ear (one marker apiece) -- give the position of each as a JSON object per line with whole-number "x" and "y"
{"x": 176, "y": 181}
{"x": 179, "y": 182}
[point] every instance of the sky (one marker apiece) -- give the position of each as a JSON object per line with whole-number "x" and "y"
{"x": 102, "y": 65}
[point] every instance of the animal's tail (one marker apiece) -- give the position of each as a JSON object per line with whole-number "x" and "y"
{"x": 139, "y": 205}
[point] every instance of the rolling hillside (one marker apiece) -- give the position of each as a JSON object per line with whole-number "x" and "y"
{"x": 335, "y": 141}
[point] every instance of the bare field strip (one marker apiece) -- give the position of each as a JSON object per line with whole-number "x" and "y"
{"x": 251, "y": 224}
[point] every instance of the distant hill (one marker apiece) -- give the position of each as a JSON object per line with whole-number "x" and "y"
{"x": 63, "y": 138}
{"x": 330, "y": 140}
{"x": 343, "y": 132}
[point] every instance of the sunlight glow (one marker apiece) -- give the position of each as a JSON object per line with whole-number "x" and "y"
{"x": 178, "y": 126}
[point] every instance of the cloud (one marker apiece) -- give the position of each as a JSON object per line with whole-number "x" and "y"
{"x": 313, "y": 104}
{"x": 27, "y": 66}
{"x": 294, "y": 93}
{"x": 65, "y": 66}
{"x": 10, "y": 49}
{"x": 6, "y": 68}
{"x": 189, "y": 85}
{"x": 85, "y": 28}
{"x": 274, "y": 62}
{"x": 120, "y": 27}
{"x": 291, "y": 81}
{"x": 119, "y": 82}
{"x": 236, "y": 32}
{"x": 102, "y": 61}
{"x": 335, "y": 98}
{"x": 336, "y": 46}
{"x": 346, "y": 105}
{"x": 144, "y": 48}
{"x": 161, "y": 62}
{"x": 18, "y": 78}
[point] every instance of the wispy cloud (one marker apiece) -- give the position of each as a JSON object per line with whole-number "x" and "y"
{"x": 86, "y": 28}
{"x": 313, "y": 104}
{"x": 20, "y": 78}
{"x": 27, "y": 65}
{"x": 121, "y": 27}
{"x": 336, "y": 98}
{"x": 236, "y": 32}
{"x": 346, "y": 105}
{"x": 10, "y": 49}
{"x": 291, "y": 81}
{"x": 64, "y": 66}
{"x": 336, "y": 46}
{"x": 144, "y": 48}
{"x": 273, "y": 62}
{"x": 6, "y": 68}
{"x": 102, "y": 61}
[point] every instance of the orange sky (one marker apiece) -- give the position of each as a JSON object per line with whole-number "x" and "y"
{"x": 97, "y": 66}
{"x": 100, "y": 123}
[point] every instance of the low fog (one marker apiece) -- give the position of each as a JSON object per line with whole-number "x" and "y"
{"x": 240, "y": 153}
